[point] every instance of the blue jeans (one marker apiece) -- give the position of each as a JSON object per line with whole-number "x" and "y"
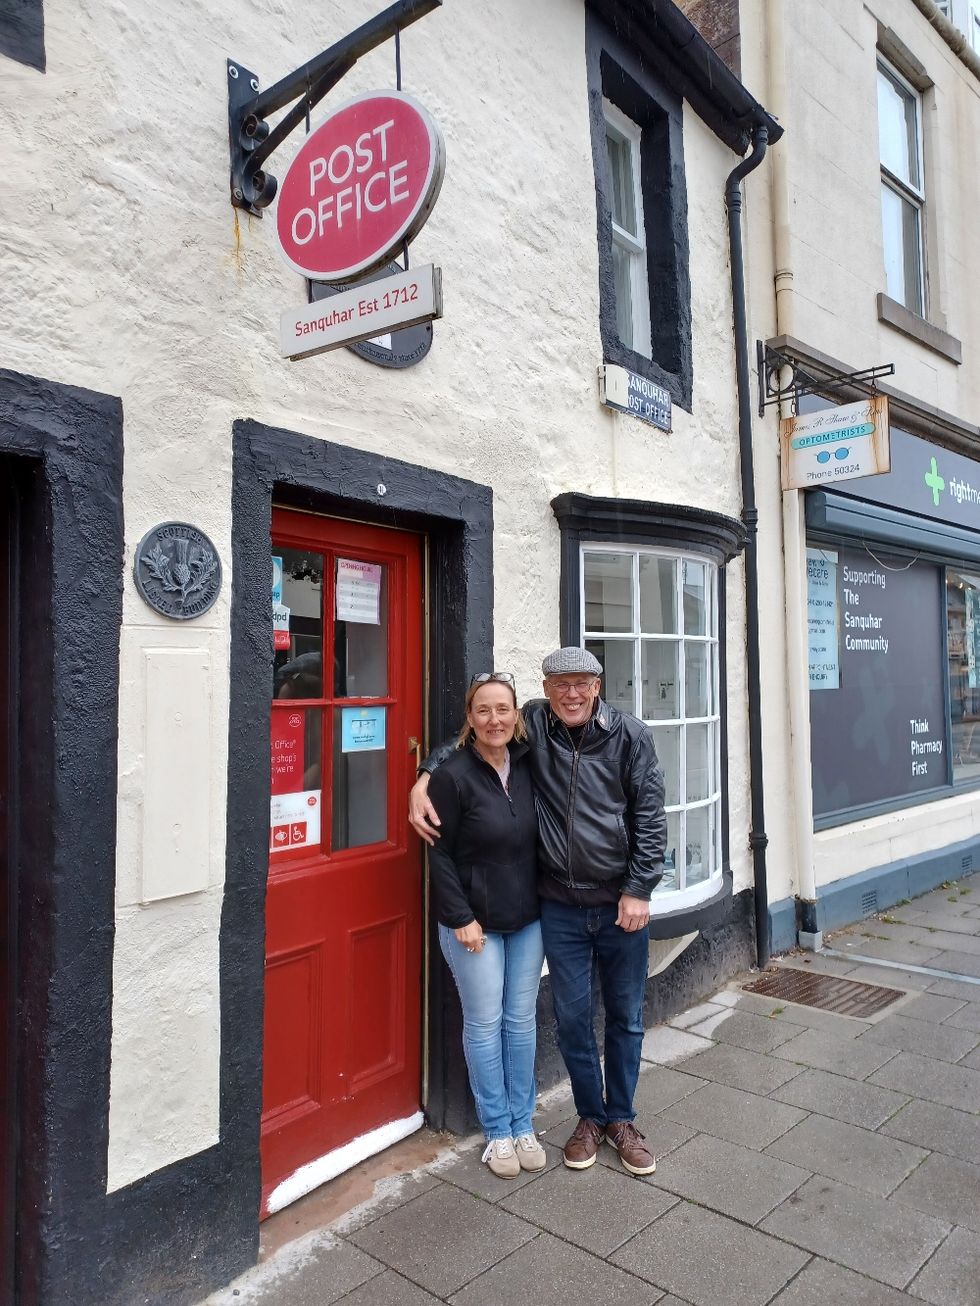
{"x": 574, "y": 938}
{"x": 498, "y": 991}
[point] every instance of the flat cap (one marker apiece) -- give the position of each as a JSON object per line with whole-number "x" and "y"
{"x": 565, "y": 661}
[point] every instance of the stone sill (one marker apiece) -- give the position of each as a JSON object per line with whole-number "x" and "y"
{"x": 896, "y": 315}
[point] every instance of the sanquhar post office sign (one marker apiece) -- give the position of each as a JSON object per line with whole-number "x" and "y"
{"x": 362, "y": 184}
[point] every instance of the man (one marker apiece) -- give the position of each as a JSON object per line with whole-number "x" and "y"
{"x": 601, "y": 838}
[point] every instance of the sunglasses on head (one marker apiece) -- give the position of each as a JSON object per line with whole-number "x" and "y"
{"x": 484, "y": 677}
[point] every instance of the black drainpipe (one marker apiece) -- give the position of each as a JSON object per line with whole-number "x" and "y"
{"x": 758, "y": 839}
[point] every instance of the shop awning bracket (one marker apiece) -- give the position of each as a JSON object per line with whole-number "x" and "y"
{"x": 250, "y": 137}
{"x": 775, "y": 387}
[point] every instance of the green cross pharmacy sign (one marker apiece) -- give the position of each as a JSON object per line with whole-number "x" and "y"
{"x": 935, "y": 482}
{"x": 925, "y": 479}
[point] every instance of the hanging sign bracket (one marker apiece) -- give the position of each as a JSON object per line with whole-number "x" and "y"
{"x": 775, "y": 386}
{"x": 252, "y": 140}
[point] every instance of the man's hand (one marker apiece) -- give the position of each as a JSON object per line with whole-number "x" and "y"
{"x": 422, "y": 816}
{"x": 634, "y": 914}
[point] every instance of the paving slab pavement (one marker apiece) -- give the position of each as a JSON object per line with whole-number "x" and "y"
{"x": 805, "y": 1158}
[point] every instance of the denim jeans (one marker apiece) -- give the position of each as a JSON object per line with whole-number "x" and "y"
{"x": 498, "y": 991}
{"x": 574, "y": 938}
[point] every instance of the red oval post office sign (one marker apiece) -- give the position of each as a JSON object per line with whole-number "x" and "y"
{"x": 365, "y": 181}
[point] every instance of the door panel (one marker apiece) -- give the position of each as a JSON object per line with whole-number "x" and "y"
{"x": 344, "y": 901}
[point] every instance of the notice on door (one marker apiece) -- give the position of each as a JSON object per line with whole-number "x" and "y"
{"x": 295, "y": 821}
{"x": 362, "y": 729}
{"x": 288, "y": 751}
{"x": 359, "y": 591}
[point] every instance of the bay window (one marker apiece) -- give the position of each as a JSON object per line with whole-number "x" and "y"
{"x": 651, "y": 618}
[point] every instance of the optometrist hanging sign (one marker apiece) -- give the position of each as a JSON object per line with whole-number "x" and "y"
{"x": 835, "y": 444}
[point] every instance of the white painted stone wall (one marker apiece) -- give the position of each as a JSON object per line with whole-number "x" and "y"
{"x": 814, "y": 66}
{"x": 126, "y": 270}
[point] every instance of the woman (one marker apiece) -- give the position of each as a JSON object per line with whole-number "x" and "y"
{"x": 483, "y": 882}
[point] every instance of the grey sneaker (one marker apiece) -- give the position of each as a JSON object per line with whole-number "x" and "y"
{"x": 501, "y": 1158}
{"x": 530, "y": 1153}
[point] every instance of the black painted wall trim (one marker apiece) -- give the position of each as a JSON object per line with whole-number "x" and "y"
{"x": 68, "y": 445}
{"x": 22, "y": 32}
{"x": 586, "y": 518}
{"x": 457, "y": 517}
{"x": 617, "y": 72}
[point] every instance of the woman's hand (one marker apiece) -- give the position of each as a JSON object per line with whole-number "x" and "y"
{"x": 471, "y": 936}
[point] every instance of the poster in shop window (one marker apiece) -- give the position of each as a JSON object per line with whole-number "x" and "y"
{"x": 822, "y": 616}
{"x": 881, "y": 734}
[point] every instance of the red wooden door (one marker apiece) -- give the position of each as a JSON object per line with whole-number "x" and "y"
{"x": 344, "y": 904}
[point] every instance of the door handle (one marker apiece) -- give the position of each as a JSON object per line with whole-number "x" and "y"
{"x": 415, "y": 746}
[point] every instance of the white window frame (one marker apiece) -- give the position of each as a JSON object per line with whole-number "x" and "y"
{"x": 915, "y": 195}
{"x": 671, "y": 900}
{"x": 635, "y": 246}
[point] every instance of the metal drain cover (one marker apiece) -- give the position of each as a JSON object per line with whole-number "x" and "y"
{"x": 828, "y": 992}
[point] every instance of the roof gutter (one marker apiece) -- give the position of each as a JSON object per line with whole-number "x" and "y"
{"x": 957, "y": 41}
{"x": 671, "y": 43}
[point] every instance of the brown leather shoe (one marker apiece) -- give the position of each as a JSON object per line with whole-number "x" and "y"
{"x": 581, "y": 1148}
{"x": 634, "y": 1154}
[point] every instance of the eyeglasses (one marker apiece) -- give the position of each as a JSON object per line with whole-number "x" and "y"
{"x": 484, "y": 677}
{"x": 564, "y": 687}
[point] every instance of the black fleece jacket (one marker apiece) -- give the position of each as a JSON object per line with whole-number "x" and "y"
{"x": 484, "y": 866}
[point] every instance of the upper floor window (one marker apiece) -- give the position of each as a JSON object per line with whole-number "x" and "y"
{"x": 629, "y": 246}
{"x": 902, "y": 192}
{"x": 651, "y": 618}
{"x": 966, "y": 15}
{"x": 637, "y": 127}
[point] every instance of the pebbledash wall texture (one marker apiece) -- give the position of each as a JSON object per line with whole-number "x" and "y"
{"x": 126, "y": 272}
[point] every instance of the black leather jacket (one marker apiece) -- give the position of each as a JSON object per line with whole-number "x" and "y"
{"x": 600, "y": 804}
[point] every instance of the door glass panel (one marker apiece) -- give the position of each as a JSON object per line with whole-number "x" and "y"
{"x": 660, "y": 698}
{"x": 295, "y": 760}
{"x": 297, "y": 601}
{"x": 658, "y": 596}
{"x": 616, "y": 657}
{"x": 609, "y": 592}
{"x": 360, "y": 777}
{"x": 296, "y": 802}
{"x": 361, "y": 629}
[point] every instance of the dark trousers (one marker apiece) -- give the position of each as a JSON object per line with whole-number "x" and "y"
{"x": 573, "y": 938}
